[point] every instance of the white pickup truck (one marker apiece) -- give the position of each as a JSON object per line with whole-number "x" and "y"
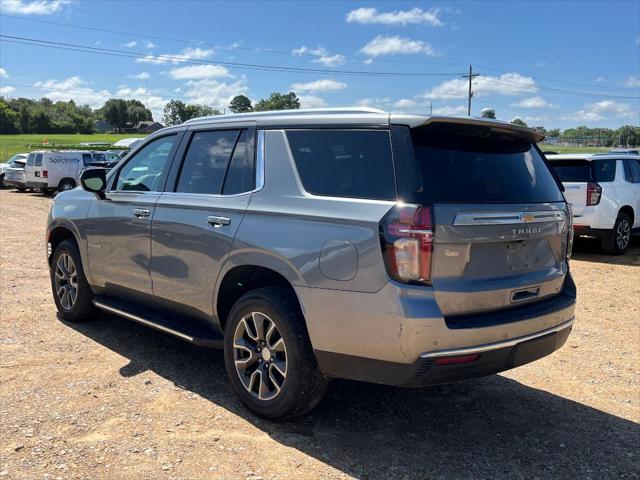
{"x": 604, "y": 192}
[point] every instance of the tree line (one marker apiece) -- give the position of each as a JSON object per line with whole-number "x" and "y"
{"x": 24, "y": 115}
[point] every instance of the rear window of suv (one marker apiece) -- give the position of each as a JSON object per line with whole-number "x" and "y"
{"x": 344, "y": 163}
{"x": 446, "y": 166}
{"x": 585, "y": 171}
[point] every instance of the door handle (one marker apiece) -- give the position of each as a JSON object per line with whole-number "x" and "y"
{"x": 217, "y": 222}
{"x": 141, "y": 212}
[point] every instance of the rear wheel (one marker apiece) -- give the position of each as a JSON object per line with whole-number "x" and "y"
{"x": 71, "y": 292}
{"x": 617, "y": 241}
{"x": 268, "y": 355}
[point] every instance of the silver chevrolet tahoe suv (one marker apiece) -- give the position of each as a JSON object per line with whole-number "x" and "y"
{"x": 398, "y": 249}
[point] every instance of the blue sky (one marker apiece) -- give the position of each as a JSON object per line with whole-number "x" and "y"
{"x": 557, "y": 64}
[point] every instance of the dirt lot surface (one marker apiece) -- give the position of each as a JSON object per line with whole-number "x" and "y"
{"x": 111, "y": 399}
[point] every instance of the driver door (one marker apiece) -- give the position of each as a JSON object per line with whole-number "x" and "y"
{"x": 119, "y": 226}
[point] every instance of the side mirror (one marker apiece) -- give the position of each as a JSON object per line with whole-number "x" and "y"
{"x": 94, "y": 180}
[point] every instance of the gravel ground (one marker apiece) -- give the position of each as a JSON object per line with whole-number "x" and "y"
{"x": 111, "y": 399}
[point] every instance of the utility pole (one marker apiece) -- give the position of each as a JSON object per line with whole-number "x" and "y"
{"x": 430, "y": 108}
{"x": 470, "y": 76}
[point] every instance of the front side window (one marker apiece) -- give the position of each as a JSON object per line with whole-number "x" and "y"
{"x": 344, "y": 163}
{"x": 31, "y": 159}
{"x": 206, "y": 161}
{"x": 241, "y": 174}
{"x": 146, "y": 171}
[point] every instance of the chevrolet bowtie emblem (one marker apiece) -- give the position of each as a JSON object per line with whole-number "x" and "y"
{"x": 527, "y": 217}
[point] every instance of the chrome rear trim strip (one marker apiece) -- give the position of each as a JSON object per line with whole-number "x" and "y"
{"x": 507, "y": 218}
{"x": 495, "y": 346}
{"x": 135, "y": 318}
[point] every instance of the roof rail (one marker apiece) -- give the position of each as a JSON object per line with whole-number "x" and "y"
{"x": 301, "y": 111}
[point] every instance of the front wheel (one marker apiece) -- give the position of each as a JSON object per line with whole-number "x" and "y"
{"x": 617, "y": 241}
{"x": 71, "y": 291}
{"x": 268, "y": 355}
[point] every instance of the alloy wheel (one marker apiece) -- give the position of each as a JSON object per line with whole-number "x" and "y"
{"x": 623, "y": 234}
{"x": 260, "y": 356}
{"x": 66, "y": 281}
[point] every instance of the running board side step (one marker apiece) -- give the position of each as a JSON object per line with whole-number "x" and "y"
{"x": 208, "y": 339}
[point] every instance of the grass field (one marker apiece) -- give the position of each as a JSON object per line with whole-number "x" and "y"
{"x": 12, "y": 144}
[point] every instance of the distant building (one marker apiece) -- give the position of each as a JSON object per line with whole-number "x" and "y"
{"x": 100, "y": 126}
{"x": 148, "y": 127}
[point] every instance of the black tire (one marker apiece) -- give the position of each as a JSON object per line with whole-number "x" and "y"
{"x": 82, "y": 308}
{"x": 66, "y": 184}
{"x": 304, "y": 385}
{"x": 2, "y": 185}
{"x": 617, "y": 241}
{"x": 21, "y": 189}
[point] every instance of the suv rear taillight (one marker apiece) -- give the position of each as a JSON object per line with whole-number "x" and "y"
{"x": 570, "y": 233}
{"x": 45, "y": 174}
{"x": 406, "y": 237}
{"x": 594, "y": 192}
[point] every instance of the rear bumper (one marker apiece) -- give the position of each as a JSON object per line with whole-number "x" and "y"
{"x": 13, "y": 183}
{"x": 491, "y": 358}
{"x": 41, "y": 185}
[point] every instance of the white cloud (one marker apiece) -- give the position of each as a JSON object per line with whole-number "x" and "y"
{"x": 213, "y": 93}
{"x": 632, "y": 82}
{"x": 603, "y": 109}
{"x": 377, "y": 102}
{"x": 507, "y": 84}
{"x": 184, "y": 55}
{"x": 321, "y": 55}
{"x": 390, "y": 45}
{"x": 450, "y": 110}
{"x": 533, "y": 102}
{"x": 404, "y": 103}
{"x": 140, "y": 76}
{"x": 3, "y": 73}
{"x": 600, "y": 79}
{"x": 130, "y": 44}
{"x": 324, "y": 85}
{"x": 198, "y": 72}
{"x": 311, "y": 101}
{"x": 150, "y": 45}
{"x": 397, "y": 17}
{"x": 73, "y": 88}
{"x": 7, "y": 90}
{"x": 36, "y": 7}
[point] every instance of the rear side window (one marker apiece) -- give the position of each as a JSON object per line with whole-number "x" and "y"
{"x": 38, "y": 162}
{"x": 632, "y": 171}
{"x": 87, "y": 159}
{"x": 585, "y": 170}
{"x": 206, "y": 161}
{"x": 240, "y": 176}
{"x": 345, "y": 163}
{"x": 450, "y": 167}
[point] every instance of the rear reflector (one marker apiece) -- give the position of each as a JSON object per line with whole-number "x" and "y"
{"x": 458, "y": 359}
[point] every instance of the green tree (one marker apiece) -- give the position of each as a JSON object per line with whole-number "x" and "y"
{"x": 177, "y": 112}
{"x": 114, "y": 112}
{"x": 278, "y": 101}
{"x": 137, "y": 112}
{"x": 554, "y": 132}
{"x": 240, "y": 104}
{"x": 9, "y": 118}
{"x": 519, "y": 121}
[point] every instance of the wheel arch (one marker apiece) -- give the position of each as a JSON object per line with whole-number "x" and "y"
{"x": 629, "y": 211}
{"x": 236, "y": 279}
{"x": 64, "y": 179}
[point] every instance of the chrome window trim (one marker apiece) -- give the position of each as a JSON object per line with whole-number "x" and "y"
{"x": 508, "y": 218}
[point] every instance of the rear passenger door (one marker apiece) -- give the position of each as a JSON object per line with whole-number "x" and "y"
{"x": 632, "y": 177}
{"x": 197, "y": 216}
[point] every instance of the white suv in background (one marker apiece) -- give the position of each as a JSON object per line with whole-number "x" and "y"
{"x": 604, "y": 191}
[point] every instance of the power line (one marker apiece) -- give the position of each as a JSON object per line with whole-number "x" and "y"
{"x": 194, "y": 42}
{"x": 179, "y": 59}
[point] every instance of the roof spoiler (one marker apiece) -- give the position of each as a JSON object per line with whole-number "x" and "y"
{"x": 496, "y": 126}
